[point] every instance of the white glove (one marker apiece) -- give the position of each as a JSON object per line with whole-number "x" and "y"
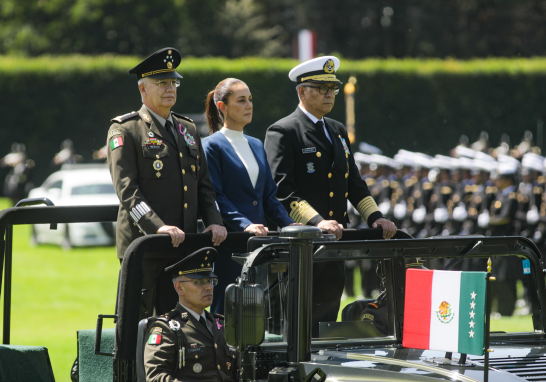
{"x": 459, "y": 213}
{"x": 483, "y": 219}
{"x": 400, "y": 211}
{"x": 419, "y": 215}
{"x": 532, "y": 215}
{"x": 440, "y": 215}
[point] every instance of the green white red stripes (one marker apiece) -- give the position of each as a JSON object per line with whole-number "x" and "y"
{"x": 445, "y": 310}
{"x": 116, "y": 142}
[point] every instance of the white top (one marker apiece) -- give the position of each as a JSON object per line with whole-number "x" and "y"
{"x": 315, "y": 120}
{"x": 245, "y": 153}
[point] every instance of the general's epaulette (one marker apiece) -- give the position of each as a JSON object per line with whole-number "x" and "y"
{"x": 183, "y": 117}
{"x": 125, "y": 117}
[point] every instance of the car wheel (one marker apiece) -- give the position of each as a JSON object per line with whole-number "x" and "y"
{"x": 66, "y": 244}
{"x": 33, "y": 237}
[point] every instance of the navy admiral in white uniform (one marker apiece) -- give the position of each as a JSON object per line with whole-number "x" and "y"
{"x": 315, "y": 171}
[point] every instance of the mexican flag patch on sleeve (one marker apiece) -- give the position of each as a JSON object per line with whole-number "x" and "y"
{"x": 116, "y": 142}
{"x": 155, "y": 339}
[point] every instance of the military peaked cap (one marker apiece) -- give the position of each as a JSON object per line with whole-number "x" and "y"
{"x": 198, "y": 265}
{"x": 161, "y": 64}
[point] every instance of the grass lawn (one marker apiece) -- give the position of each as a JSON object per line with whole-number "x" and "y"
{"x": 57, "y": 292}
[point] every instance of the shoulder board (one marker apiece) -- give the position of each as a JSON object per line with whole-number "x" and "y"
{"x": 182, "y": 116}
{"x": 409, "y": 182}
{"x": 216, "y": 315}
{"x": 512, "y": 195}
{"x": 124, "y": 117}
{"x": 172, "y": 314}
{"x": 445, "y": 190}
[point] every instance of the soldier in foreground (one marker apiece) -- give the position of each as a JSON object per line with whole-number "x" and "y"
{"x": 160, "y": 175}
{"x": 316, "y": 174}
{"x": 188, "y": 343}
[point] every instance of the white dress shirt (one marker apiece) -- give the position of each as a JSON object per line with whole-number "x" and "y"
{"x": 245, "y": 153}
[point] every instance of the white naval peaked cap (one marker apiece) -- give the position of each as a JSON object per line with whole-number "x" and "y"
{"x": 320, "y": 69}
{"x": 533, "y": 161}
{"x": 442, "y": 162}
{"x": 463, "y": 151}
{"x": 507, "y": 168}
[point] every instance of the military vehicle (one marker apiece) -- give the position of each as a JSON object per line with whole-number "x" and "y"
{"x": 268, "y": 310}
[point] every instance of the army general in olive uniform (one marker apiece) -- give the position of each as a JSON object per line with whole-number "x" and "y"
{"x": 188, "y": 343}
{"x": 313, "y": 165}
{"x": 160, "y": 175}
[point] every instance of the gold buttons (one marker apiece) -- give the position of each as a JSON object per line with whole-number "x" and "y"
{"x": 346, "y": 175}
{"x": 218, "y": 367}
{"x": 345, "y": 213}
{"x": 193, "y": 168}
{"x": 183, "y": 172}
{"x": 216, "y": 346}
{"x": 140, "y": 231}
{"x": 329, "y": 175}
{"x": 331, "y": 213}
{"x": 185, "y": 188}
{"x": 157, "y": 156}
{"x": 319, "y": 154}
{"x": 198, "y": 157}
{"x": 254, "y": 203}
{"x": 331, "y": 194}
{"x": 185, "y": 205}
{"x": 181, "y": 155}
{"x": 196, "y": 356}
{"x": 346, "y": 194}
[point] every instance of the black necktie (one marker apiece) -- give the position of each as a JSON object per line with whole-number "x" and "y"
{"x": 203, "y": 322}
{"x": 321, "y": 130}
{"x": 169, "y": 129}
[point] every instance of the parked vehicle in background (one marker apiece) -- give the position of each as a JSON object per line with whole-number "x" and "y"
{"x": 75, "y": 185}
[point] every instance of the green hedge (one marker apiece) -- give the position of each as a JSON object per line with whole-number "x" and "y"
{"x": 419, "y": 105}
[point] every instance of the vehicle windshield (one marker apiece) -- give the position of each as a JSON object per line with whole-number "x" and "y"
{"x": 93, "y": 189}
{"x": 366, "y": 309}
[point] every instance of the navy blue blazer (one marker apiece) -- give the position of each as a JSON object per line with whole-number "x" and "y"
{"x": 240, "y": 203}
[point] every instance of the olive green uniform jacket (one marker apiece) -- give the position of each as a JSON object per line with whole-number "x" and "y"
{"x": 205, "y": 357}
{"x": 158, "y": 184}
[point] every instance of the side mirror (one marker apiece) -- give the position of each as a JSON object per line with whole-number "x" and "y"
{"x": 244, "y": 309}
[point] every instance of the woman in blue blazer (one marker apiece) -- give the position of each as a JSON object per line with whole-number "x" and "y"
{"x": 245, "y": 189}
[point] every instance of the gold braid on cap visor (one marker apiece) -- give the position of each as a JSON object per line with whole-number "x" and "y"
{"x": 321, "y": 77}
{"x": 157, "y": 71}
{"x": 366, "y": 207}
{"x": 302, "y": 212}
{"x": 196, "y": 271}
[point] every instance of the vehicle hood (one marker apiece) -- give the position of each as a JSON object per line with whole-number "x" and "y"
{"x": 506, "y": 363}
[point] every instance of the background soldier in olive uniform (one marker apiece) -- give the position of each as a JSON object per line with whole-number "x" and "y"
{"x": 160, "y": 175}
{"x": 188, "y": 343}
{"x": 315, "y": 171}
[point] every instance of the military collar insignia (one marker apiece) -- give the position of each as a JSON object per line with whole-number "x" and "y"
{"x": 146, "y": 118}
{"x": 218, "y": 324}
{"x": 190, "y": 141}
{"x": 184, "y": 316}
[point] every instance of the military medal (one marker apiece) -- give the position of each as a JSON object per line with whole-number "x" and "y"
{"x": 150, "y": 134}
{"x": 344, "y": 146}
{"x": 190, "y": 141}
{"x": 158, "y": 166}
{"x": 197, "y": 368}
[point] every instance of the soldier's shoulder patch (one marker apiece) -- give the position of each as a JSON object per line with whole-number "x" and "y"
{"x": 154, "y": 339}
{"x": 183, "y": 117}
{"x": 114, "y": 132}
{"x": 125, "y": 117}
{"x": 156, "y": 329}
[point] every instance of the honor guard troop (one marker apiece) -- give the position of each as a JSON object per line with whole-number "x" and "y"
{"x": 468, "y": 193}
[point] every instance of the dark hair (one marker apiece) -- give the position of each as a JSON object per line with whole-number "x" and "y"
{"x": 222, "y": 92}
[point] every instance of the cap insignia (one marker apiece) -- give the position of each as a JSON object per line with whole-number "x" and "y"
{"x": 202, "y": 265}
{"x": 169, "y": 59}
{"x": 329, "y": 66}
{"x": 169, "y": 52}
{"x": 206, "y": 257}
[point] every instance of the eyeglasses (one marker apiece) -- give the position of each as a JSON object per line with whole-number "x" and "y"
{"x": 167, "y": 83}
{"x": 202, "y": 282}
{"x": 324, "y": 89}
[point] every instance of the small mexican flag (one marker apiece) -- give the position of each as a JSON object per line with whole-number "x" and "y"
{"x": 155, "y": 339}
{"x": 116, "y": 142}
{"x": 445, "y": 311}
